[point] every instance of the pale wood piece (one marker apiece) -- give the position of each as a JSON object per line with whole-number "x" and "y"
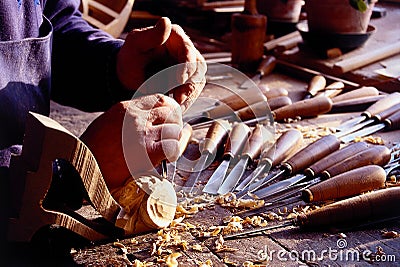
{"x": 361, "y": 60}
{"x": 45, "y": 141}
{"x": 107, "y": 17}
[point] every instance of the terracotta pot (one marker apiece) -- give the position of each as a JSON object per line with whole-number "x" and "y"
{"x": 336, "y": 16}
{"x": 280, "y": 10}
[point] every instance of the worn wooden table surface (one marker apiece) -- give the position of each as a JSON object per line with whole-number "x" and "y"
{"x": 287, "y": 246}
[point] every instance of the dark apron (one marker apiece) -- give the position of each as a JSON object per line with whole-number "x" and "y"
{"x": 24, "y": 82}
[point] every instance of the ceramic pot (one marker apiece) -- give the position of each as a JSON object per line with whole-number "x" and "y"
{"x": 280, "y": 10}
{"x": 337, "y": 16}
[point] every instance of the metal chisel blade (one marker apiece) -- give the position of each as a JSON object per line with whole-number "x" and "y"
{"x": 233, "y": 177}
{"x": 217, "y": 178}
{"x": 354, "y": 128}
{"x": 350, "y": 123}
{"x": 278, "y": 187}
{"x": 261, "y": 169}
{"x": 363, "y": 132}
{"x": 194, "y": 176}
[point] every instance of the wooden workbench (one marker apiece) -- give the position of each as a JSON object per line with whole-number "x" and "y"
{"x": 282, "y": 244}
{"x": 285, "y": 244}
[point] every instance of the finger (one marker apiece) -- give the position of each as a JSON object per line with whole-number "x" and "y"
{"x": 165, "y": 149}
{"x": 164, "y": 131}
{"x": 188, "y": 92}
{"x": 151, "y": 37}
{"x": 181, "y": 48}
{"x": 164, "y": 114}
{"x": 153, "y": 101}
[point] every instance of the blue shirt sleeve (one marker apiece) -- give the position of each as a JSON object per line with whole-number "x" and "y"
{"x": 83, "y": 60}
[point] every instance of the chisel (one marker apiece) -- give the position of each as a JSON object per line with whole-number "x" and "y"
{"x": 346, "y": 184}
{"x": 379, "y": 106}
{"x": 356, "y": 93}
{"x": 299, "y": 161}
{"x": 214, "y": 137}
{"x": 286, "y": 144}
{"x": 235, "y": 143}
{"x": 366, "y": 207}
{"x": 380, "y": 117}
{"x": 376, "y": 155}
{"x": 391, "y": 123}
{"x": 185, "y": 135}
{"x": 278, "y": 102}
{"x": 266, "y": 66}
{"x": 332, "y": 90}
{"x": 316, "y": 85}
{"x": 260, "y": 137}
{"x": 304, "y": 108}
{"x": 259, "y": 111}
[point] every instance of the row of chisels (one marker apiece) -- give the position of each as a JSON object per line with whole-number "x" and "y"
{"x": 281, "y": 163}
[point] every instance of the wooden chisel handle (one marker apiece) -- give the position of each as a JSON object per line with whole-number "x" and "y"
{"x": 393, "y": 121}
{"x": 237, "y": 139}
{"x": 272, "y": 93}
{"x": 286, "y": 144}
{"x": 259, "y": 137}
{"x": 375, "y": 155}
{"x": 350, "y": 183}
{"x": 356, "y": 104}
{"x": 387, "y": 112}
{"x": 316, "y": 85}
{"x": 238, "y": 101}
{"x": 257, "y": 110}
{"x": 304, "y": 108}
{"x": 312, "y": 153}
{"x": 185, "y": 135}
{"x": 267, "y": 65}
{"x": 356, "y": 93}
{"x": 278, "y": 102}
{"x": 385, "y": 103}
{"x": 215, "y": 135}
{"x": 359, "y": 209}
{"x": 332, "y": 90}
{"x": 334, "y": 158}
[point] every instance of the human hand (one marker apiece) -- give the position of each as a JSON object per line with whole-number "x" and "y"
{"x": 152, "y": 49}
{"x": 134, "y": 136}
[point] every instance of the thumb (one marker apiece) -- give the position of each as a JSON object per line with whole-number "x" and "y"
{"x": 151, "y": 37}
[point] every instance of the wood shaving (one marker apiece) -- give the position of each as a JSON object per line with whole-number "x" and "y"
{"x": 251, "y": 264}
{"x": 370, "y": 139}
{"x": 197, "y": 247}
{"x": 390, "y": 234}
{"x": 171, "y": 260}
{"x": 229, "y": 200}
{"x": 208, "y": 263}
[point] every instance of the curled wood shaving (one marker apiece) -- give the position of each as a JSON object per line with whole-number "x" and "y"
{"x": 208, "y": 263}
{"x": 390, "y": 234}
{"x": 251, "y": 264}
{"x": 370, "y": 139}
{"x": 229, "y": 200}
{"x": 171, "y": 259}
